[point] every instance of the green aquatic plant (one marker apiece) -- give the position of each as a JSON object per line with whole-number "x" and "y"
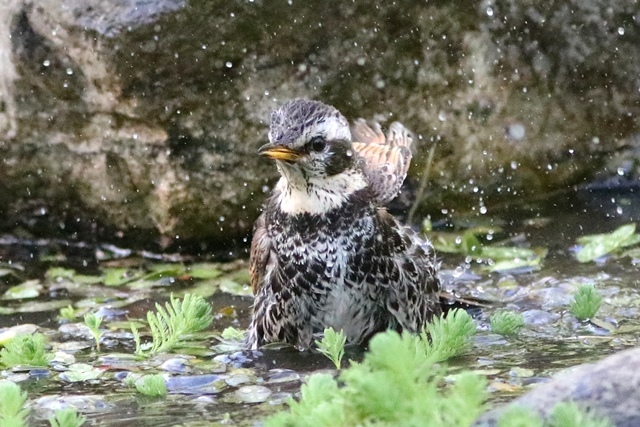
{"x": 447, "y": 337}
{"x": 67, "y": 417}
{"x": 397, "y": 383}
{"x": 25, "y": 350}
{"x": 12, "y": 409}
{"x": 68, "y": 313}
{"x": 519, "y": 416}
{"x": 233, "y": 334}
{"x": 563, "y": 414}
{"x": 93, "y": 322}
{"x": 569, "y": 414}
{"x": 151, "y": 385}
{"x": 136, "y": 339}
{"x": 332, "y": 345}
{"x": 172, "y": 323}
{"x": 595, "y": 246}
{"x": 586, "y": 302}
{"x": 507, "y": 322}
{"x": 500, "y": 257}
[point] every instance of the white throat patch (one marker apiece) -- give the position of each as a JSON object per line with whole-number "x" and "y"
{"x": 320, "y": 195}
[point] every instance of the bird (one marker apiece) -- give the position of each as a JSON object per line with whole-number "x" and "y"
{"x": 325, "y": 252}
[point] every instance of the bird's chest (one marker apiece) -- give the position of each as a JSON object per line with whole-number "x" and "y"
{"x": 316, "y": 257}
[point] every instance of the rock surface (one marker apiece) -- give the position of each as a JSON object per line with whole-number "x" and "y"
{"x": 138, "y": 121}
{"x": 610, "y": 388}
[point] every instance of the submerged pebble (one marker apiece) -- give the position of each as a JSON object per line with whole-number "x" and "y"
{"x": 47, "y": 405}
{"x": 176, "y": 365}
{"x": 235, "y": 380}
{"x": 282, "y": 376}
{"x": 197, "y": 384}
{"x": 253, "y": 394}
{"x": 539, "y": 317}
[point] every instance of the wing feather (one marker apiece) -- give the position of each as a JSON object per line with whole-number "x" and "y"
{"x": 386, "y": 158}
{"x": 260, "y": 251}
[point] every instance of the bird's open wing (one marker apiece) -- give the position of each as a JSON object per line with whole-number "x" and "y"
{"x": 386, "y": 159}
{"x": 260, "y": 251}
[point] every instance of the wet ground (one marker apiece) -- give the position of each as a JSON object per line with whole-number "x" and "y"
{"x": 217, "y": 382}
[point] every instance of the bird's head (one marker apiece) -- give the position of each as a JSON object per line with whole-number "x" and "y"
{"x": 309, "y": 140}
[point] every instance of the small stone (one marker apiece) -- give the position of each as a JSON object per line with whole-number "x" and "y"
{"x": 253, "y": 394}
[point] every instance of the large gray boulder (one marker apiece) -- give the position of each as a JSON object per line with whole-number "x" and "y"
{"x": 610, "y": 388}
{"x": 136, "y": 119}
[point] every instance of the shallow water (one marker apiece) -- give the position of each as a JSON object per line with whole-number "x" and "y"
{"x": 220, "y": 384}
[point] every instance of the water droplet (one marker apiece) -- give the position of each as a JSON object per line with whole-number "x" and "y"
{"x": 483, "y": 210}
{"x": 619, "y": 210}
{"x": 69, "y": 72}
{"x": 442, "y": 116}
{"x": 489, "y": 11}
{"x": 621, "y": 171}
{"x": 459, "y": 271}
{"x": 458, "y": 240}
{"x": 46, "y": 63}
{"x": 228, "y": 64}
{"x": 621, "y": 31}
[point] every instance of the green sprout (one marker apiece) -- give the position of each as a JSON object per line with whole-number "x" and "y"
{"x": 178, "y": 318}
{"x": 332, "y": 346}
{"x": 233, "y": 334}
{"x": 569, "y": 414}
{"x": 12, "y": 410}
{"x": 136, "y": 338}
{"x": 93, "y": 322}
{"x": 397, "y": 383}
{"x": 519, "y": 416}
{"x": 447, "y": 337}
{"x": 586, "y": 302}
{"x": 25, "y": 350}
{"x": 563, "y": 414}
{"x": 68, "y": 313}
{"x": 67, "y": 417}
{"x": 507, "y": 322}
{"x": 151, "y": 385}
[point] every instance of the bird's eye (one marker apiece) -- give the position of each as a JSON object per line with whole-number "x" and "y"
{"x": 318, "y": 143}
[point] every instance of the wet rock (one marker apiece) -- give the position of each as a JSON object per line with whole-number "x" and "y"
{"x": 138, "y": 121}
{"x": 197, "y": 384}
{"x": 282, "y": 376}
{"x": 176, "y": 365}
{"x": 610, "y": 387}
{"x": 45, "y": 406}
{"x": 253, "y": 394}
